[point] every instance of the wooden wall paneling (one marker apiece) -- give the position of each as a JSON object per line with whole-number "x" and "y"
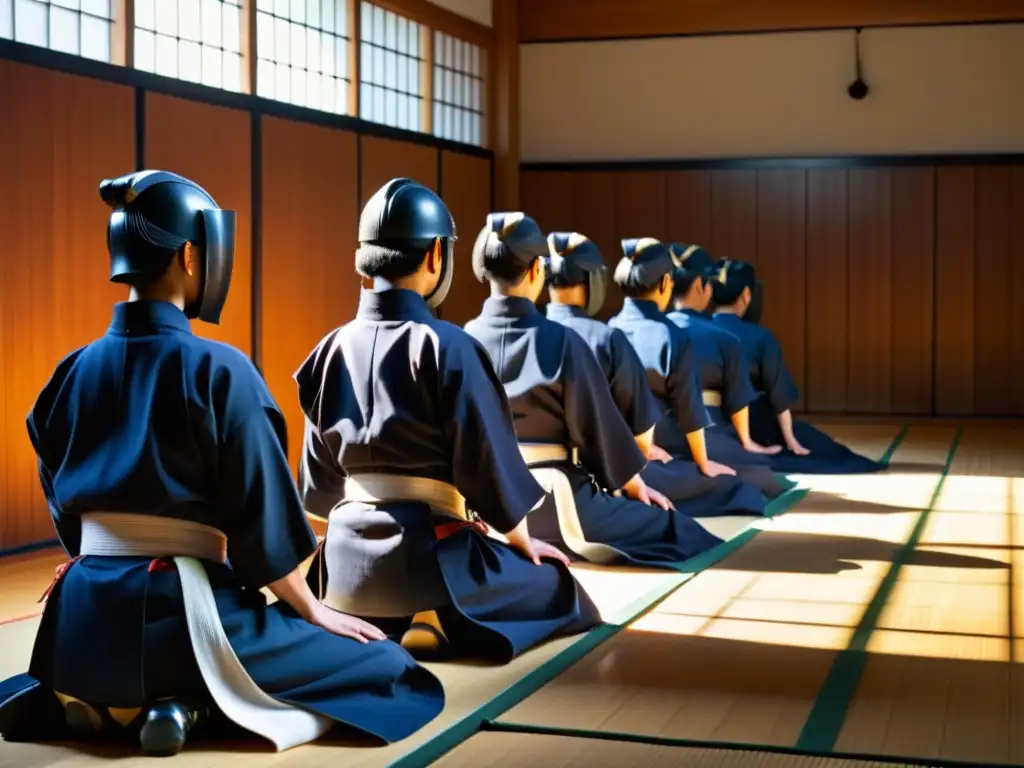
{"x": 61, "y": 135}
{"x": 734, "y": 215}
{"x": 466, "y": 183}
{"x": 547, "y": 196}
{"x": 913, "y": 289}
{"x": 954, "y": 291}
{"x": 212, "y": 146}
{"x": 1017, "y": 278}
{"x": 308, "y": 231}
{"x": 550, "y": 20}
{"x": 640, "y": 204}
{"x": 826, "y": 290}
{"x": 993, "y": 291}
{"x": 384, "y": 159}
{"x": 782, "y": 263}
{"x": 593, "y": 214}
{"x": 688, "y": 207}
{"x": 869, "y": 291}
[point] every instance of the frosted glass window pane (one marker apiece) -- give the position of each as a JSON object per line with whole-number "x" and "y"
{"x": 145, "y": 51}
{"x": 414, "y": 122}
{"x": 391, "y": 32}
{"x": 299, "y": 87}
{"x": 145, "y": 16}
{"x": 402, "y": 118}
{"x": 475, "y": 102}
{"x": 390, "y": 69}
{"x": 298, "y": 46}
{"x": 232, "y": 40}
{"x": 401, "y": 81}
{"x": 414, "y": 76}
{"x": 312, "y": 50}
{"x": 341, "y": 15}
{"x": 366, "y": 21}
{"x": 414, "y": 38}
{"x": 265, "y": 5}
{"x": 233, "y": 72}
{"x": 328, "y": 97}
{"x": 327, "y": 53}
{"x": 188, "y": 20}
{"x": 313, "y": 14}
{"x": 6, "y": 19}
{"x": 297, "y": 12}
{"x": 265, "y": 36}
{"x": 378, "y": 104}
{"x": 190, "y": 62}
{"x": 474, "y": 61}
{"x": 166, "y": 56}
{"x": 281, "y": 8}
{"x": 314, "y": 88}
{"x": 264, "y": 79}
{"x": 95, "y": 7}
{"x": 63, "y": 30}
{"x": 378, "y": 25}
{"x": 213, "y": 67}
{"x": 438, "y": 128}
{"x": 167, "y": 19}
{"x": 281, "y": 41}
{"x": 390, "y": 107}
{"x": 403, "y": 35}
{"x": 284, "y": 82}
{"x": 366, "y": 63}
{"x": 72, "y": 4}
{"x": 30, "y": 22}
{"x": 378, "y": 66}
{"x": 211, "y": 22}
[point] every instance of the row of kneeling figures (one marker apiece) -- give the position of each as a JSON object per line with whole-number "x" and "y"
{"x": 162, "y": 458}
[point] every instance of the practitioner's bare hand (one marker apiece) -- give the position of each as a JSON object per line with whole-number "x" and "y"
{"x": 798, "y": 449}
{"x": 659, "y": 499}
{"x": 543, "y": 549}
{"x": 342, "y": 624}
{"x": 767, "y": 450}
{"x": 654, "y": 453}
{"x": 714, "y": 469}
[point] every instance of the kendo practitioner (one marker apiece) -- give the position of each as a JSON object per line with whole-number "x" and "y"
{"x": 569, "y": 428}
{"x": 577, "y": 284}
{"x": 162, "y": 458}
{"x": 723, "y": 373}
{"x": 808, "y": 450}
{"x": 644, "y": 274}
{"x": 411, "y": 455}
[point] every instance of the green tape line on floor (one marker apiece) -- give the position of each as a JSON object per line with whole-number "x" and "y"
{"x": 825, "y": 721}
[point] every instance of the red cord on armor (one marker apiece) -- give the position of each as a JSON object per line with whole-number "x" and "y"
{"x": 58, "y": 575}
{"x": 444, "y": 530}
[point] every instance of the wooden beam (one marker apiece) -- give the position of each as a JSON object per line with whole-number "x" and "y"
{"x": 503, "y": 107}
{"x": 441, "y": 19}
{"x": 355, "y": 36}
{"x": 122, "y": 33}
{"x": 554, "y": 20}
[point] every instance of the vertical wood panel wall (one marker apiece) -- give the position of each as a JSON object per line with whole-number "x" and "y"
{"x": 62, "y": 134}
{"x": 891, "y": 289}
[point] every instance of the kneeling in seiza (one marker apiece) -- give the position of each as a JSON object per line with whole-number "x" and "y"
{"x": 570, "y": 430}
{"x": 723, "y": 374}
{"x": 577, "y": 284}
{"x": 162, "y": 458}
{"x": 411, "y": 455}
{"x": 808, "y": 450}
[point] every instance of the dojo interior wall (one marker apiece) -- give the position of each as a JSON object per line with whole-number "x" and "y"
{"x": 889, "y": 232}
{"x": 302, "y": 180}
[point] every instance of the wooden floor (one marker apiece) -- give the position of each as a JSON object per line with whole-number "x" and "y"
{"x": 875, "y": 623}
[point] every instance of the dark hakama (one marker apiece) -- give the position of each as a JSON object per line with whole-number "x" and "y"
{"x": 770, "y": 376}
{"x": 722, "y": 369}
{"x": 399, "y": 392}
{"x": 152, "y": 420}
{"x": 692, "y": 492}
{"x": 560, "y": 397}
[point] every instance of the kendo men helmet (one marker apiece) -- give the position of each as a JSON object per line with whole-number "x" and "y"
{"x": 154, "y": 214}
{"x": 574, "y": 259}
{"x": 405, "y": 215}
{"x": 506, "y": 246}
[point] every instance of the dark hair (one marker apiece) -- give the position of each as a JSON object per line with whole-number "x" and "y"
{"x": 497, "y": 262}
{"x": 728, "y": 279}
{"x": 506, "y": 248}
{"x": 683, "y": 279}
{"x": 388, "y": 262}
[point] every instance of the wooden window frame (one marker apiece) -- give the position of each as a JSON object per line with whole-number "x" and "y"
{"x": 430, "y": 17}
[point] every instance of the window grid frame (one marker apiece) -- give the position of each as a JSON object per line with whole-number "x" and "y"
{"x": 418, "y": 62}
{"x": 245, "y": 47}
{"x": 349, "y": 36}
{"x": 480, "y": 79}
{"x": 123, "y": 28}
{"x": 114, "y": 32}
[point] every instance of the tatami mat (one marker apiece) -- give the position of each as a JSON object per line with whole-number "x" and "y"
{"x": 514, "y": 750}
{"x": 740, "y": 652}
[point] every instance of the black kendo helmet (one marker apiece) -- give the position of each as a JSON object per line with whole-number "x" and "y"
{"x": 405, "y": 214}
{"x": 574, "y": 259}
{"x": 156, "y": 213}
